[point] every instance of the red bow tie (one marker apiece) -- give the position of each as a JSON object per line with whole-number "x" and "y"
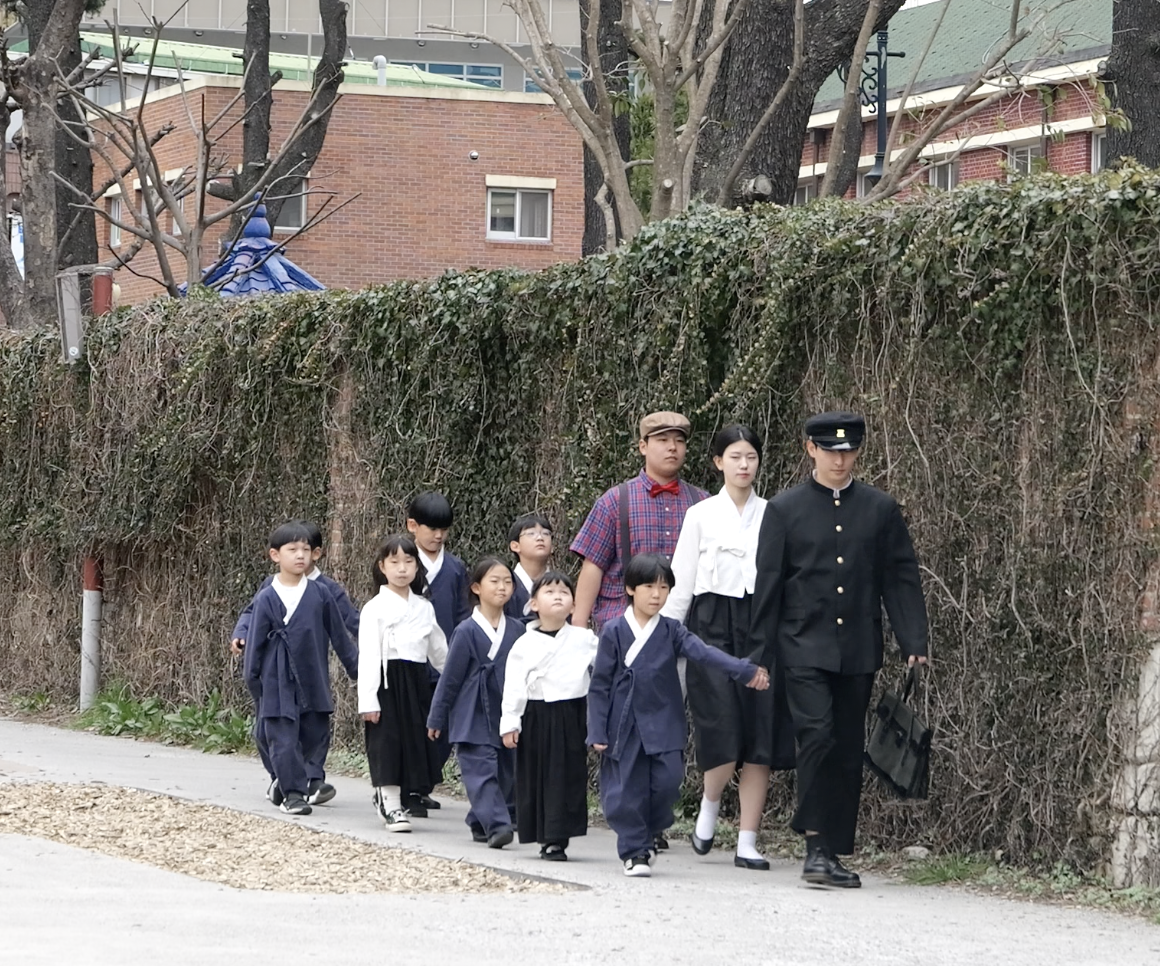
{"x": 673, "y": 487}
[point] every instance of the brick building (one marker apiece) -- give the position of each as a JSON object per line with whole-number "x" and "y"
{"x": 446, "y": 178}
{"x": 1055, "y": 121}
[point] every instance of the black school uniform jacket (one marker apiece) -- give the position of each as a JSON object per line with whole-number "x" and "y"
{"x": 826, "y": 565}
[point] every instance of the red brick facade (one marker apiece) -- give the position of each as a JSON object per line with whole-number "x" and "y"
{"x": 422, "y": 201}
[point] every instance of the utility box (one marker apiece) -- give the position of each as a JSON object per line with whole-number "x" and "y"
{"x": 80, "y": 292}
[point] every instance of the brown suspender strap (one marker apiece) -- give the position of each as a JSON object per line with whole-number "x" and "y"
{"x": 625, "y": 543}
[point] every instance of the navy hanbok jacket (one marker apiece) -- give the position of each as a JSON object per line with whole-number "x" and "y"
{"x": 287, "y": 665}
{"x": 348, "y": 611}
{"x": 466, "y": 705}
{"x": 448, "y": 594}
{"x": 514, "y": 608}
{"x": 647, "y": 695}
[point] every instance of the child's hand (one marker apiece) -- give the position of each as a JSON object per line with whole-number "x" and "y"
{"x": 371, "y": 716}
{"x": 511, "y": 739}
{"x": 600, "y": 748}
{"x": 760, "y": 681}
{"x": 237, "y": 645}
{"x": 433, "y": 733}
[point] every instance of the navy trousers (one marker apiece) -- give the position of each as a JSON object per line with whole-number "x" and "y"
{"x": 488, "y": 775}
{"x": 638, "y": 792}
{"x": 295, "y": 747}
{"x": 315, "y": 764}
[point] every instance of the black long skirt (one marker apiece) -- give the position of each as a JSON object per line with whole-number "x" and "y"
{"x": 552, "y": 771}
{"x": 398, "y": 751}
{"x": 733, "y": 724}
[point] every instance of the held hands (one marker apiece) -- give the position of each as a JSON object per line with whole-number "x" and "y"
{"x": 760, "y": 681}
{"x": 511, "y": 739}
{"x": 237, "y": 645}
{"x": 371, "y": 716}
{"x": 433, "y": 734}
{"x": 913, "y": 660}
{"x": 600, "y": 748}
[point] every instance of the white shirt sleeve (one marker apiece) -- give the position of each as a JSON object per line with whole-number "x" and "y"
{"x": 370, "y": 658}
{"x": 684, "y": 564}
{"x": 437, "y": 647}
{"x": 515, "y": 689}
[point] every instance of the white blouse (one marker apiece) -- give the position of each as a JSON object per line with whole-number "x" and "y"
{"x": 393, "y": 628}
{"x": 545, "y": 668}
{"x": 716, "y": 551}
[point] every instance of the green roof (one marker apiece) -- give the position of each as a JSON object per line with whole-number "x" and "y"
{"x": 970, "y": 30}
{"x": 205, "y": 59}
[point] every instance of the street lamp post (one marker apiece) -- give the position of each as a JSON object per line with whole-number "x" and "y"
{"x": 872, "y": 94}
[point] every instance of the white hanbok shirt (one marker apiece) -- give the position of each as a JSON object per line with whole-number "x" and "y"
{"x": 541, "y": 667}
{"x": 716, "y": 551}
{"x": 394, "y": 628}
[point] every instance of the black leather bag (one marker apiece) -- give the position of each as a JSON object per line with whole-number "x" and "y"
{"x": 898, "y": 751}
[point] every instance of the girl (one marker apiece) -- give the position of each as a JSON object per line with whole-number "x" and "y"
{"x": 715, "y": 567}
{"x": 397, "y": 635}
{"x": 467, "y": 702}
{"x": 636, "y": 717}
{"x": 543, "y": 718}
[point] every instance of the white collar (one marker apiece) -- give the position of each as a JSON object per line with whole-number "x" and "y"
{"x": 431, "y": 564}
{"x": 748, "y": 512}
{"x": 396, "y": 605}
{"x": 314, "y": 574}
{"x": 837, "y": 492}
{"x": 494, "y": 634}
{"x": 523, "y": 577}
{"x": 640, "y": 635}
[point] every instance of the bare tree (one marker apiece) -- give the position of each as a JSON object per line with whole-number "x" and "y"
{"x": 1134, "y": 69}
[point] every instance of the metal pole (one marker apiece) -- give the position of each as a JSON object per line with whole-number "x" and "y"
{"x": 874, "y": 175}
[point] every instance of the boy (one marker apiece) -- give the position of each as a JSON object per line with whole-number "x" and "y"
{"x": 294, "y": 621}
{"x": 636, "y": 716}
{"x": 530, "y": 539}
{"x": 429, "y": 518}
{"x": 319, "y": 791}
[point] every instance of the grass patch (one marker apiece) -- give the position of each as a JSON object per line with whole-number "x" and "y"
{"x": 35, "y": 703}
{"x": 946, "y": 868}
{"x": 207, "y": 727}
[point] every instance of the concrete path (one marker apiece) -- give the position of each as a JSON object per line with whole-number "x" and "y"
{"x": 63, "y": 905}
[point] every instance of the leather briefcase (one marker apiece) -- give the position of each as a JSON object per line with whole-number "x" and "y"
{"x": 898, "y": 751}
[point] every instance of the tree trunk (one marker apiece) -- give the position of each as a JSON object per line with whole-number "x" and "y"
{"x": 756, "y": 62}
{"x": 1134, "y": 65}
{"x": 300, "y": 156}
{"x": 614, "y": 56}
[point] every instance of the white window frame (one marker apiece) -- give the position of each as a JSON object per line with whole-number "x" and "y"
{"x": 173, "y": 216}
{"x": 521, "y": 187}
{"x": 807, "y": 190}
{"x": 862, "y": 189}
{"x": 116, "y": 210}
{"x": 300, "y": 201}
{"x": 1030, "y": 150}
{"x": 951, "y": 167}
{"x": 1099, "y": 149}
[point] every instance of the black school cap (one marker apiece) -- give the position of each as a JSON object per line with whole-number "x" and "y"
{"x": 838, "y": 431}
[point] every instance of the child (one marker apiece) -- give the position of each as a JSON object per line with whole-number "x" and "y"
{"x": 543, "y": 713}
{"x": 467, "y": 703}
{"x": 530, "y": 539}
{"x": 636, "y": 718}
{"x": 286, "y": 666}
{"x": 429, "y": 517}
{"x": 398, "y": 635}
{"x": 319, "y": 791}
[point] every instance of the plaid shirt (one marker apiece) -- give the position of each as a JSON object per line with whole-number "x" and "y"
{"x": 654, "y": 524}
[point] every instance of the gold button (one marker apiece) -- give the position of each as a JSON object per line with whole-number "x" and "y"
{"x": 841, "y": 590}
{"x": 839, "y": 620}
{"x": 837, "y": 503}
{"x": 840, "y": 560}
{"x": 838, "y": 528}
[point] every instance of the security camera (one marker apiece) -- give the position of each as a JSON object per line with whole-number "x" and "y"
{"x": 473, "y": 155}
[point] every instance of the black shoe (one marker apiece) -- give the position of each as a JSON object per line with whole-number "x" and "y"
{"x": 478, "y": 834}
{"x": 823, "y": 869}
{"x": 274, "y": 793}
{"x": 500, "y": 837}
{"x": 319, "y": 792}
{"x": 758, "y": 865}
{"x": 553, "y": 852}
{"x": 700, "y": 846}
{"x": 660, "y": 843}
{"x": 637, "y": 867}
{"x": 295, "y": 804}
{"x": 424, "y": 801}
{"x": 414, "y": 805}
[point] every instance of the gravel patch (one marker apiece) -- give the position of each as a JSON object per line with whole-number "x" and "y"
{"x": 233, "y": 848}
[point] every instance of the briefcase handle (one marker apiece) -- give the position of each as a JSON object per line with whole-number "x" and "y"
{"x": 911, "y": 681}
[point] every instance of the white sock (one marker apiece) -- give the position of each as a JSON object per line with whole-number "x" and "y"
{"x": 747, "y": 846}
{"x": 707, "y": 818}
{"x": 392, "y": 797}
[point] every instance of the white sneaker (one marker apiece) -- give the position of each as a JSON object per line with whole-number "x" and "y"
{"x": 398, "y": 820}
{"x": 637, "y": 867}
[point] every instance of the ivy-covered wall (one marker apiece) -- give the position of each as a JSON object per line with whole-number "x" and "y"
{"x": 999, "y": 339}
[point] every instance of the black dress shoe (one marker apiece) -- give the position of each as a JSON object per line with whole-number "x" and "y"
{"x": 700, "y": 846}
{"x": 758, "y": 865}
{"x": 660, "y": 843}
{"x": 427, "y": 802}
{"x": 825, "y": 870}
{"x": 500, "y": 837}
{"x": 414, "y": 806}
{"x": 478, "y": 834}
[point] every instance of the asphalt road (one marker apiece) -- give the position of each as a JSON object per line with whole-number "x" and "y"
{"x": 60, "y": 904}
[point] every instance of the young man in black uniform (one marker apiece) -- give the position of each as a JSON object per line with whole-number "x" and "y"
{"x": 831, "y": 553}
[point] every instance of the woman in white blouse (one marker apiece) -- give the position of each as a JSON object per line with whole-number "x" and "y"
{"x": 715, "y": 568}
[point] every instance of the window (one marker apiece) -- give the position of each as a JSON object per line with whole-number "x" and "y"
{"x": 1024, "y": 159}
{"x": 487, "y": 75}
{"x": 806, "y": 192}
{"x": 292, "y": 214}
{"x": 1099, "y": 147}
{"x": 518, "y": 214}
{"x": 944, "y": 175}
{"x": 180, "y": 208}
{"x": 531, "y": 87}
{"x": 865, "y": 184}
{"x": 115, "y": 212}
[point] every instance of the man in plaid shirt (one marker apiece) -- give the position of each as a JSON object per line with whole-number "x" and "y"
{"x": 657, "y": 501}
